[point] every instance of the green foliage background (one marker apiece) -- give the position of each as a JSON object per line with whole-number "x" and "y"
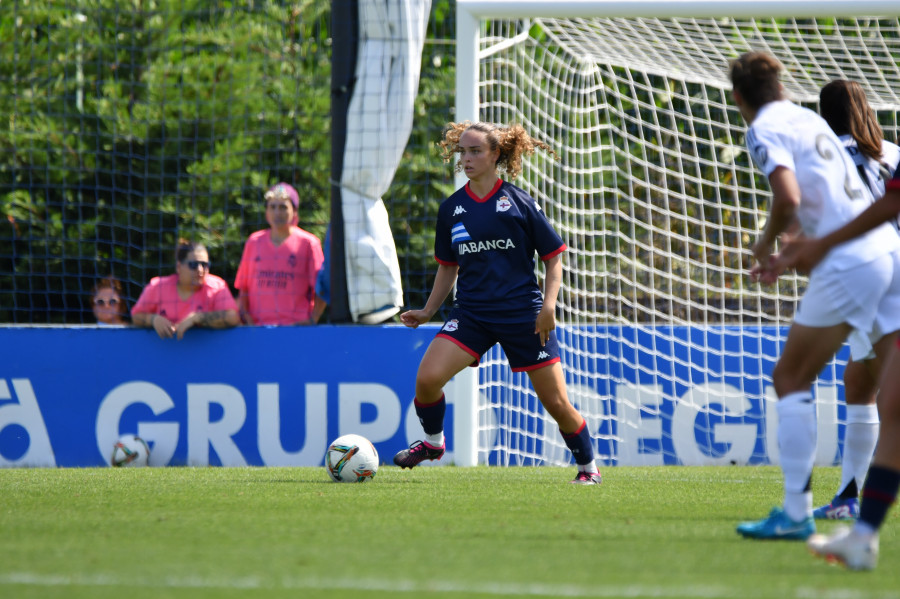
{"x": 129, "y": 125}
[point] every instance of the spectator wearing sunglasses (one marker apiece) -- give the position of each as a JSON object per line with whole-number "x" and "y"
{"x": 277, "y": 274}
{"x": 106, "y": 301}
{"x": 191, "y": 297}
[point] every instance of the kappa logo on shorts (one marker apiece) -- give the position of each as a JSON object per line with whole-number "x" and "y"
{"x": 503, "y": 204}
{"x": 543, "y": 355}
{"x": 451, "y": 325}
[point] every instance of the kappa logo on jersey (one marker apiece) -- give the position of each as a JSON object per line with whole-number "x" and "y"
{"x": 458, "y": 233}
{"x": 459, "y": 210}
{"x": 503, "y": 204}
{"x": 451, "y": 325}
{"x": 543, "y": 355}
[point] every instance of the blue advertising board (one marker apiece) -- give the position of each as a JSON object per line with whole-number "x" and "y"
{"x": 276, "y": 396}
{"x": 251, "y": 395}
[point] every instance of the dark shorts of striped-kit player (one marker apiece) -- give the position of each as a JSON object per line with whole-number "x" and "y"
{"x": 519, "y": 341}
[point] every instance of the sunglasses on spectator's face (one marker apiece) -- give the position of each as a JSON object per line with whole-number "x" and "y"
{"x": 102, "y": 302}
{"x": 194, "y": 264}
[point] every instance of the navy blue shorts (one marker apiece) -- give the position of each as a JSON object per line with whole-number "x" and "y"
{"x": 519, "y": 341}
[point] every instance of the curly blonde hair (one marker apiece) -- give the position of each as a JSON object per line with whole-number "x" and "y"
{"x": 512, "y": 141}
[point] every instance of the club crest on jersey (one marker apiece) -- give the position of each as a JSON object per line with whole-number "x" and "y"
{"x": 451, "y": 325}
{"x": 503, "y": 204}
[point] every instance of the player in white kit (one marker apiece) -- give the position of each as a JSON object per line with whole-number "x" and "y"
{"x": 816, "y": 187}
{"x": 844, "y": 107}
{"x": 857, "y": 547}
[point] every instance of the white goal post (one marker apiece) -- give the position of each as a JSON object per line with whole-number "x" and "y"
{"x": 667, "y": 347}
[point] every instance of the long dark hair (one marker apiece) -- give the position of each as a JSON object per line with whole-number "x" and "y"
{"x": 844, "y": 107}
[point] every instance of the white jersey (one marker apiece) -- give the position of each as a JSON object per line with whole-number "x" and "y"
{"x": 831, "y": 191}
{"x": 874, "y": 173}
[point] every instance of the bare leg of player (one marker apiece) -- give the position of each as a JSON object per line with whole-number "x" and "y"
{"x": 860, "y": 436}
{"x": 805, "y": 353}
{"x": 442, "y": 361}
{"x": 550, "y": 386}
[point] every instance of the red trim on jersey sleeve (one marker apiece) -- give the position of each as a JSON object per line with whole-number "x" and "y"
{"x": 445, "y": 262}
{"x": 561, "y": 249}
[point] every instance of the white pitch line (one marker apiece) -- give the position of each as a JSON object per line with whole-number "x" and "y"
{"x": 636, "y": 591}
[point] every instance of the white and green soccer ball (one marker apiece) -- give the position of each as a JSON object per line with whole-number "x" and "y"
{"x": 130, "y": 450}
{"x": 351, "y": 459}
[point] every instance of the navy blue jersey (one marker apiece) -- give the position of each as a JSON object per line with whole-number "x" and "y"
{"x": 494, "y": 241}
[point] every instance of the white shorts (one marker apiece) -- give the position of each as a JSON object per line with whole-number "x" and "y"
{"x": 866, "y": 297}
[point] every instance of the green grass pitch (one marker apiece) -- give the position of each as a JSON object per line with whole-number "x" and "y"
{"x": 431, "y": 532}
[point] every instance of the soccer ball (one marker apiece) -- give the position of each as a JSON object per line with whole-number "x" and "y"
{"x": 130, "y": 450}
{"x": 351, "y": 459}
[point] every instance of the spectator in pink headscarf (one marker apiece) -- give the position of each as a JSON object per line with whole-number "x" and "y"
{"x": 277, "y": 274}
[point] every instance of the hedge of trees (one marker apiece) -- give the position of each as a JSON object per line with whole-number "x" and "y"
{"x": 129, "y": 125}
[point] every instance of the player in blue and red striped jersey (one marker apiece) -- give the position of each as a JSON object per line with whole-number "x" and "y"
{"x": 857, "y": 547}
{"x": 487, "y": 235}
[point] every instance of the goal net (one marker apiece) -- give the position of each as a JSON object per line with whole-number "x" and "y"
{"x": 667, "y": 346}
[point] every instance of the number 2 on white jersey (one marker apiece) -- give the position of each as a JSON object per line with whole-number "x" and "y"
{"x": 824, "y": 146}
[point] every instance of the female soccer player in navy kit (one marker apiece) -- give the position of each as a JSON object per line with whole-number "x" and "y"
{"x": 486, "y": 238}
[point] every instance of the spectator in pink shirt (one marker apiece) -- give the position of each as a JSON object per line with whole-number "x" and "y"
{"x": 277, "y": 274}
{"x": 172, "y": 304}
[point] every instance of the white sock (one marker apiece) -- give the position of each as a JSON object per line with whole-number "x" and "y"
{"x": 859, "y": 443}
{"x": 797, "y": 445}
{"x": 436, "y": 440}
{"x": 590, "y": 467}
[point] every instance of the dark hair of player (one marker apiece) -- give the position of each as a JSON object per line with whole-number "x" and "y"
{"x": 844, "y": 107}
{"x": 512, "y": 141}
{"x": 755, "y": 75}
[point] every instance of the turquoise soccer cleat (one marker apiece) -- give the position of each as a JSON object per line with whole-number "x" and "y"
{"x": 778, "y": 526}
